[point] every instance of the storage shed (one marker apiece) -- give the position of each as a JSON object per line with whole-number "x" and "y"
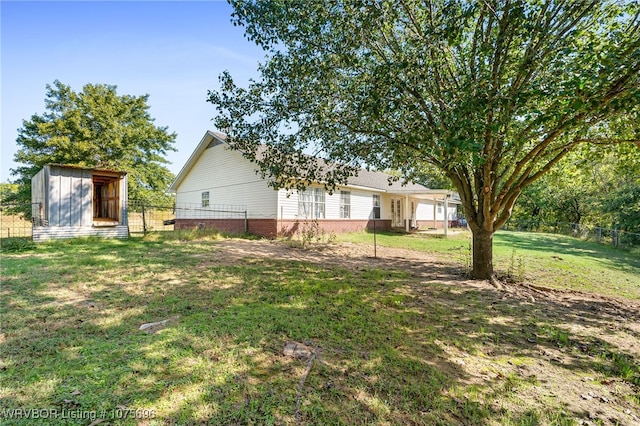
{"x": 69, "y": 201}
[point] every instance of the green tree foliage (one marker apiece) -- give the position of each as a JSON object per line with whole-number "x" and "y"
{"x": 8, "y": 191}
{"x": 96, "y": 128}
{"x": 596, "y": 187}
{"x": 494, "y": 93}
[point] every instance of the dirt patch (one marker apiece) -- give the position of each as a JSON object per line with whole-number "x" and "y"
{"x": 573, "y": 352}
{"x": 341, "y": 255}
{"x": 424, "y": 265}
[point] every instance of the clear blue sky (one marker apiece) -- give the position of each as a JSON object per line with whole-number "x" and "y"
{"x": 172, "y": 50}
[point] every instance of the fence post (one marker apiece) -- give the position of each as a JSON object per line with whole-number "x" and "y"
{"x": 375, "y": 245}
{"x": 246, "y": 225}
{"x": 144, "y": 220}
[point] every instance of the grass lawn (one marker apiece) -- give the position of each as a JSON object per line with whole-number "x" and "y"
{"x": 548, "y": 260}
{"x": 393, "y": 344}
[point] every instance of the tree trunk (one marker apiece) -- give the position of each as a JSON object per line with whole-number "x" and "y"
{"x": 482, "y": 254}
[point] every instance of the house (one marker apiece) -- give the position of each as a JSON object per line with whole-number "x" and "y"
{"x": 216, "y": 176}
{"x": 70, "y": 201}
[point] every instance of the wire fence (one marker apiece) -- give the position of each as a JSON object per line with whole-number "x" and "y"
{"x": 12, "y": 221}
{"x": 146, "y": 217}
{"x": 142, "y": 217}
{"x": 614, "y": 237}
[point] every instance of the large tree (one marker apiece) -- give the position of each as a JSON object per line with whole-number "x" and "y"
{"x": 96, "y": 128}
{"x": 492, "y": 92}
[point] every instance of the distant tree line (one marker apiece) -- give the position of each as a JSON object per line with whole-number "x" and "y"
{"x": 597, "y": 187}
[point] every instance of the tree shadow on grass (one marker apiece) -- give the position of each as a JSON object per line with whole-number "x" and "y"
{"x": 399, "y": 342}
{"x": 611, "y": 257}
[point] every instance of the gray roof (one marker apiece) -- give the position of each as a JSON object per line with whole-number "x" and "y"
{"x": 366, "y": 179}
{"x": 380, "y": 180}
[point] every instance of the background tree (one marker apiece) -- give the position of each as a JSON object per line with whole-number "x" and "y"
{"x": 96, "y": 128}
{"x": 593, "y": 187}
{"x": 8, "y": 191}
{"x": 494, "y": 93}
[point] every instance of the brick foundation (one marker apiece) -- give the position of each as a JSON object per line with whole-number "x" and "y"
{"x": 289, "y": 227}
{"x": 232, "y": 226}
{"x": 271, "y": 228}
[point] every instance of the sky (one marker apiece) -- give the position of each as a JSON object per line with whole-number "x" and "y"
{"x": 173, "y": 51}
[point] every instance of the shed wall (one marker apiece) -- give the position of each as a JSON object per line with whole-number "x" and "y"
{"x": 62, "y": 199}
{"x": 70, "y": 193}
{"x": 39, "y": 197}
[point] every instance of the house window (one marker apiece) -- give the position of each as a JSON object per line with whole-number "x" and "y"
{"x": 376, "y": 206}
{"x": 318, "y": 203}
{"x": 345, "y": 204}
{"x": 311, "y": 203}
{"x": 439, "y": 208}
{"x": 205, "y": 199}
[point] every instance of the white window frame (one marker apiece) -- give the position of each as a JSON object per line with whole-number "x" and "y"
{"x": 311, "y": 203}
{"x": 345, "y": 204}
{"x": 205, "y": 199}
{"x": 377, "y": 211}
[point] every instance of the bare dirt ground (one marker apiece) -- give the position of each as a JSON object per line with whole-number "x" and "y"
{"x": 559, "y": 342}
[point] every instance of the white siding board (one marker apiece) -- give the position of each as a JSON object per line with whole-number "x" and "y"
{"x": 362, "y": 205}
{"x": 230, "y": 179}
{"x": 332, "y": 205}
{"x": 424, "y": 210}
{"x": 385, "y": 210}
{"x": 287, "y": 204}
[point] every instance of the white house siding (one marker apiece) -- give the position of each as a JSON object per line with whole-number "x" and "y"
{"x": 287, "y": 204}
{"x": 361, "y": 204}
{"x": 230, "y": 180}
{"x": 424, "y": 211}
